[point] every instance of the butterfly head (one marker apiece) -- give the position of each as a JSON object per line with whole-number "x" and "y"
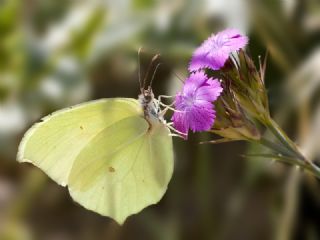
{"x": 146, "y": 95}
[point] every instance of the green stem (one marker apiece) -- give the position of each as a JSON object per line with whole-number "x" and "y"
{"x": 311, "y": 167}
{"x": 288, "y": 150}
{"x": 284, "y": 139}
{"x": 274, "y": 147}
{"x": 290, "y": 154}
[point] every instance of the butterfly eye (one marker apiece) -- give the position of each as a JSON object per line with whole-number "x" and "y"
{"x": 147, "y": 94}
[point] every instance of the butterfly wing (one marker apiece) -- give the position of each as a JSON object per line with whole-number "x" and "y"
{"x": 54, "y": 143}
{"x": 125, "y": 168}
{"x": 107, "y": 154}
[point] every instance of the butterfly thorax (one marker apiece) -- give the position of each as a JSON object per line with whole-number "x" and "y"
{"x": 149, "y": 106}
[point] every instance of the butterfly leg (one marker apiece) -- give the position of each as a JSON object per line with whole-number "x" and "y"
{"x": 175, "y": 131}
{"x": 175, "y": 135}
{"x": 167, "y": 107}
{"x": 164, "y": 96}
{"x": 160, "y": 97}
{"x": 162, "y": 112}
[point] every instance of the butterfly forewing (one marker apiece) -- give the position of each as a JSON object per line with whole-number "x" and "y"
{"x": 54, "y": 143}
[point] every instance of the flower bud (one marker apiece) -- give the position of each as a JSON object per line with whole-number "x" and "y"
{"x": 247, "y": 86}
{"x": 231, "y": 121}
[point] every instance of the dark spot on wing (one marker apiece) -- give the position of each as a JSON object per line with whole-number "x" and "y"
{"x": 111, "y": 169}
{"x": 81, "y": 127}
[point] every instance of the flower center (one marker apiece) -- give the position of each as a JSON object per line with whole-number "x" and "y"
{"x": 189, "y": 101}
{"x": 218, "y": 43}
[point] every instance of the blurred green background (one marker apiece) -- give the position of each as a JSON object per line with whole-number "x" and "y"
{"x": 56, "y": 53}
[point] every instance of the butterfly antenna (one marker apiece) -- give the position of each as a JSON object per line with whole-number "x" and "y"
{"x": 181, "y": 80}
{"x": 154, "y": 73}
{"x": 149, "y": 68}
{"x": 139, "y": 68}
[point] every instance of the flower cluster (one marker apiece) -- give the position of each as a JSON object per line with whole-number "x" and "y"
{"x": 221, "y": 72}
{"x": 194, "y": 104}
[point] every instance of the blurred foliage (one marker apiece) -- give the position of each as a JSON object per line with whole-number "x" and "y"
{"x": 58, "y": 53}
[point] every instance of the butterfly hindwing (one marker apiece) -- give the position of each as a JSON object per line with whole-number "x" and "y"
{"x": 128, "y": 170}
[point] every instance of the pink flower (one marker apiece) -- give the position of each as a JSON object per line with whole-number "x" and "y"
{"x": 214, "y": 52}
{"x": 194, "y": 103}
